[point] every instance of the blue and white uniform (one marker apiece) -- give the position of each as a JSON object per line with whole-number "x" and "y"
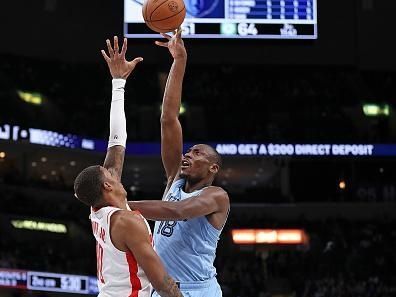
{"x": 188, "y": 249}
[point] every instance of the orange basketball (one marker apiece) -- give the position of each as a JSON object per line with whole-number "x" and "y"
{"x": 163, "y": 15}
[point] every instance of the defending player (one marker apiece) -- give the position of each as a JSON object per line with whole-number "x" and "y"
{"x": 193, "y": 213}
{"x": 126, "y": 260}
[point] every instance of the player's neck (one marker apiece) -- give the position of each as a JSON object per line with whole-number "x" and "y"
{"x": 121, "y": 205}
{"x": 192, "y": 186}
{"x": 116, "y": 202}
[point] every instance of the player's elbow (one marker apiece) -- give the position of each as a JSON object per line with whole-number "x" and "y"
{"x": 168, "y": 119}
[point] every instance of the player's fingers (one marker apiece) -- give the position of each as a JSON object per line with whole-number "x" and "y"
{"x": 135, "y": 61}
{"x": 124, "y": 47}
{"x": 179, "y": 32}
{"x": 110, "y": 49}
{"x": 116, "y": 47}
{"x": 159, "y": 43}
{"x": 105, "y": 56}
{"x": 166, "y": 36}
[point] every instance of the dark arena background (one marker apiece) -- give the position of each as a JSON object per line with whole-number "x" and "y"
{"x": 306, "y": 127}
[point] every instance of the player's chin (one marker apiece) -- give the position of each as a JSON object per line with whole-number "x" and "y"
{"x": 183, "y": 173}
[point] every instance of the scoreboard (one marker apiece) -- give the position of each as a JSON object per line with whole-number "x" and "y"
{"x": 46, "y": 281}
{"x": 270, "y": 19}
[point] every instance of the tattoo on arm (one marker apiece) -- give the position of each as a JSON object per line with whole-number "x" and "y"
{"x": 114, "y": 161}
{"x": 170, "y": 288}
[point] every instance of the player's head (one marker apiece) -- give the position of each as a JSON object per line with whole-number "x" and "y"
{"x": 95, "y": 186}
{"x": 200, "y": 162}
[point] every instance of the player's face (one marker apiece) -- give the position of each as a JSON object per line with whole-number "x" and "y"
{"x": 116, "y": 185}
{"x": 195, "y": 163}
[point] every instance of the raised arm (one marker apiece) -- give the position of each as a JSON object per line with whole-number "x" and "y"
{"x": 129, "y": 233}
{"x": 120, "y": 69}
{"x": 171, "y": 130}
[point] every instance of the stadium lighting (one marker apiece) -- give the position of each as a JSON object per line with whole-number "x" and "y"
{"x": 268, "y": 236}
{"x": 29, "y": 97}
{"x": 182, "y": 109}
{"x": 244, "y": 236}
{"x": 39, "y": 226}
{"x": 375, "y": 110}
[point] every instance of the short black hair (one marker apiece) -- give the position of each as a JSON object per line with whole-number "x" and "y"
{"x": 88, "y": 185}
{"x": 215, "y": 157}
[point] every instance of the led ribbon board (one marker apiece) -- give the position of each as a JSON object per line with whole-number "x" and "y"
{"x": 55, "y": 139}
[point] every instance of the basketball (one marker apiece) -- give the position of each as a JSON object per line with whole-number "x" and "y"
{"x": 163, "y": 15}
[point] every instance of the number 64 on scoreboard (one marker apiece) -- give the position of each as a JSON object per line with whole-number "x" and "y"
{"x": 269, "y": 19}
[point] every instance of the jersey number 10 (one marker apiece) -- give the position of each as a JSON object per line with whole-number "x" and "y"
{"x": 99, "y": 262}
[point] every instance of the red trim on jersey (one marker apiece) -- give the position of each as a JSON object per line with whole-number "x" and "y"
{"x": 108, "y": 215}
{"x": 133, "y": 269}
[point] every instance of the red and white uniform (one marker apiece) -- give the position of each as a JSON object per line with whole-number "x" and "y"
{"x": 119, "y": 274}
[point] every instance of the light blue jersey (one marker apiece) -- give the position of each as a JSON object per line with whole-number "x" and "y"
{"x": 187, "y": 248}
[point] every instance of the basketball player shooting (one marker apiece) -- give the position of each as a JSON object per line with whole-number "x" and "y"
{"x": 126, "y": 260}
{"x": 193, "y": 212}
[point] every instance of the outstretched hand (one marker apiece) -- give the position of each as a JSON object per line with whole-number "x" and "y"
{"x": 175, "y": 44}
{"x": 119, "y": 67}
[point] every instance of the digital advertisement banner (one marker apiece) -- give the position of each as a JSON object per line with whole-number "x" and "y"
{"x": 55, "y": 139}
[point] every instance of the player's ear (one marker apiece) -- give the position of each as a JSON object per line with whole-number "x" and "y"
{"x": 107, "y": 186}
{"x": 214, "y": 168}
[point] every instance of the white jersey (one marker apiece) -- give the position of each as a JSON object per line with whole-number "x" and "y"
{"x": 118, "y": 272}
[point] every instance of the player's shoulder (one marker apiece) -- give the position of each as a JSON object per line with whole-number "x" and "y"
{"x": 128, "y": 228}
{"x": 126, "y": 219}
{"x": 218, "y": 193}
{"x": 216, "y": 190}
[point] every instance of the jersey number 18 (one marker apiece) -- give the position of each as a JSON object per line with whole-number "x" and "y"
{"x": 166, "y": 228}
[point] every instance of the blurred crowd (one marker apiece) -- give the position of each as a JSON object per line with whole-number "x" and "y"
{"x": 222, "y": 103}
{"x": 343, "y": 257}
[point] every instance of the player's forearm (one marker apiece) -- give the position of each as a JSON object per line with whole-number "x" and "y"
{"x": 118, "y": 134}
{"x": 173, "y": 90}
{"x": 169, "y": 288}
{"x": 158, "y": 210}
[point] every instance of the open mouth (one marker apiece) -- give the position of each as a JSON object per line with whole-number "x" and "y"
{"x": 185, "y": 164}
